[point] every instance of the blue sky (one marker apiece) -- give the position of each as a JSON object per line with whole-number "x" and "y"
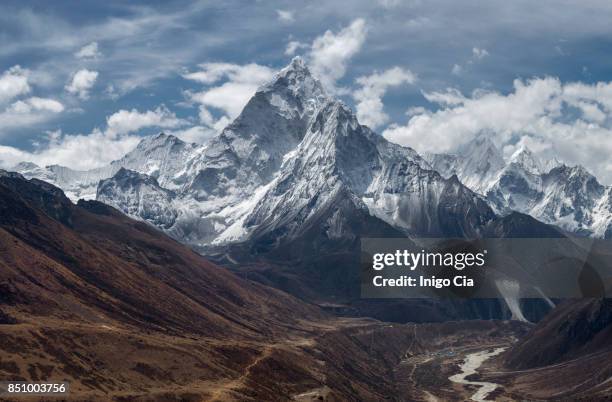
{"x": 81, "y": 81}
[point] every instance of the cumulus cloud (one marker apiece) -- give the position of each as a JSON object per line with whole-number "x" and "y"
{"x": 415, "y": 110}
{"x": 479, "y": 53}
{"x": 34, "y": 104}
{"x": 211, "y": 73}
{"x": 89, "y": 51}
{"x": 331, "y": 52}
{"x": 129, "y": 121}
{"x": 229, "y": 97}
{"x": 228, "y": 87}
{"x": 568, "y": 120}
{"x": 98, "y": 148}
{"x": 28, "y": 112}
{"x": 24, "y": 112}
{"x": 80, "y": 151}
{"x": 372, "y": 88}
{"x": 13, "y": 83}
{"x": 293, "y": 47}
{"x": 285, "y": 16}
{"x": 449, "y": 97}
{"x": 82, "y": 82}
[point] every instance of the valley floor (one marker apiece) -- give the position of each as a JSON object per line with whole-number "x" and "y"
{"x": 334, "y": 360}
{"x": 433, "y": 374}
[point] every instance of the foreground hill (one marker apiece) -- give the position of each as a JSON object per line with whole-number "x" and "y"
{"x": 90, "y": 262}
{"x": 123, "y": 312}
{"x": 575, "y": 328}
{"x": 567, "y": 356}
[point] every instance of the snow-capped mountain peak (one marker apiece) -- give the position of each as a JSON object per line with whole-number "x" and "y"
{"x": 475, "y": 163}
{"x": 297, "y": 78}
{"x": 481, "y": 157}
{"x": 528, "y": 160}
{"x": 544, "y": 188}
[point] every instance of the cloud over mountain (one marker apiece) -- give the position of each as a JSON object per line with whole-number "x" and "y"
{"x": 568, "y": 120}
{"x": 372, "y": 89}
{"x": 331, "y": 52}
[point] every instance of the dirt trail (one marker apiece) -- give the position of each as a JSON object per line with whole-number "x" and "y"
{"x": 223, "y": 389}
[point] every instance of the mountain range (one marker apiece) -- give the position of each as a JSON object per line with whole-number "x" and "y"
{"x": 295, "y": 152}
{"x": 292, "y": 156}
{"x": 289, "y": 187}
{"x": 548, "y": 190}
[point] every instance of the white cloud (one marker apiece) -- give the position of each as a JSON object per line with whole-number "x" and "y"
{"x": 591, "y": 112}
{"x": 449, "y": 97}
{"x": 82, "y": 151}
{"x": 457, "y": 69}
{"x": 25, "y": 112}
{"x": 293, "y": 47}
{"x": 207, "y": 118}
{"x": 13, "y": 83}
{"x": 128, "y": 121}
{"x": 331, "y": 52}
{"x": 89, "y": 51}
{"x": 235, "y": 85}
{"x": 372, "y": 88}
{"x": 415, "y": 110}
{"x": 600, "y": 93}
{"x": 214, "y": 72}
{"x": 229, "y": 97}
{"x": 82, "y": 82}
{"x": 285, "y": 16}
{"x": 87, "y": 151}
{"x": 35, "y": 104}
{"x": 479, "y": 53}
{"x": 29, "y": 112}
{"x": 571, "y": 121}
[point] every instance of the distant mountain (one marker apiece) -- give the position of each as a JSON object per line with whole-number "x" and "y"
{"x": 476, "y": 164}
{"x": 566, "y": 196}
{"x": 294, "y": 148}
{"x": 139, "y": 195}
{"x": 165, "y": 158}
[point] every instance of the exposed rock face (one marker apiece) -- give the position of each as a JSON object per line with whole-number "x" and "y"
{"x": 139, "y": 195}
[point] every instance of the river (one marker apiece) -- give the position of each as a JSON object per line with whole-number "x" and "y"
{"x": 472, "y": 362}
